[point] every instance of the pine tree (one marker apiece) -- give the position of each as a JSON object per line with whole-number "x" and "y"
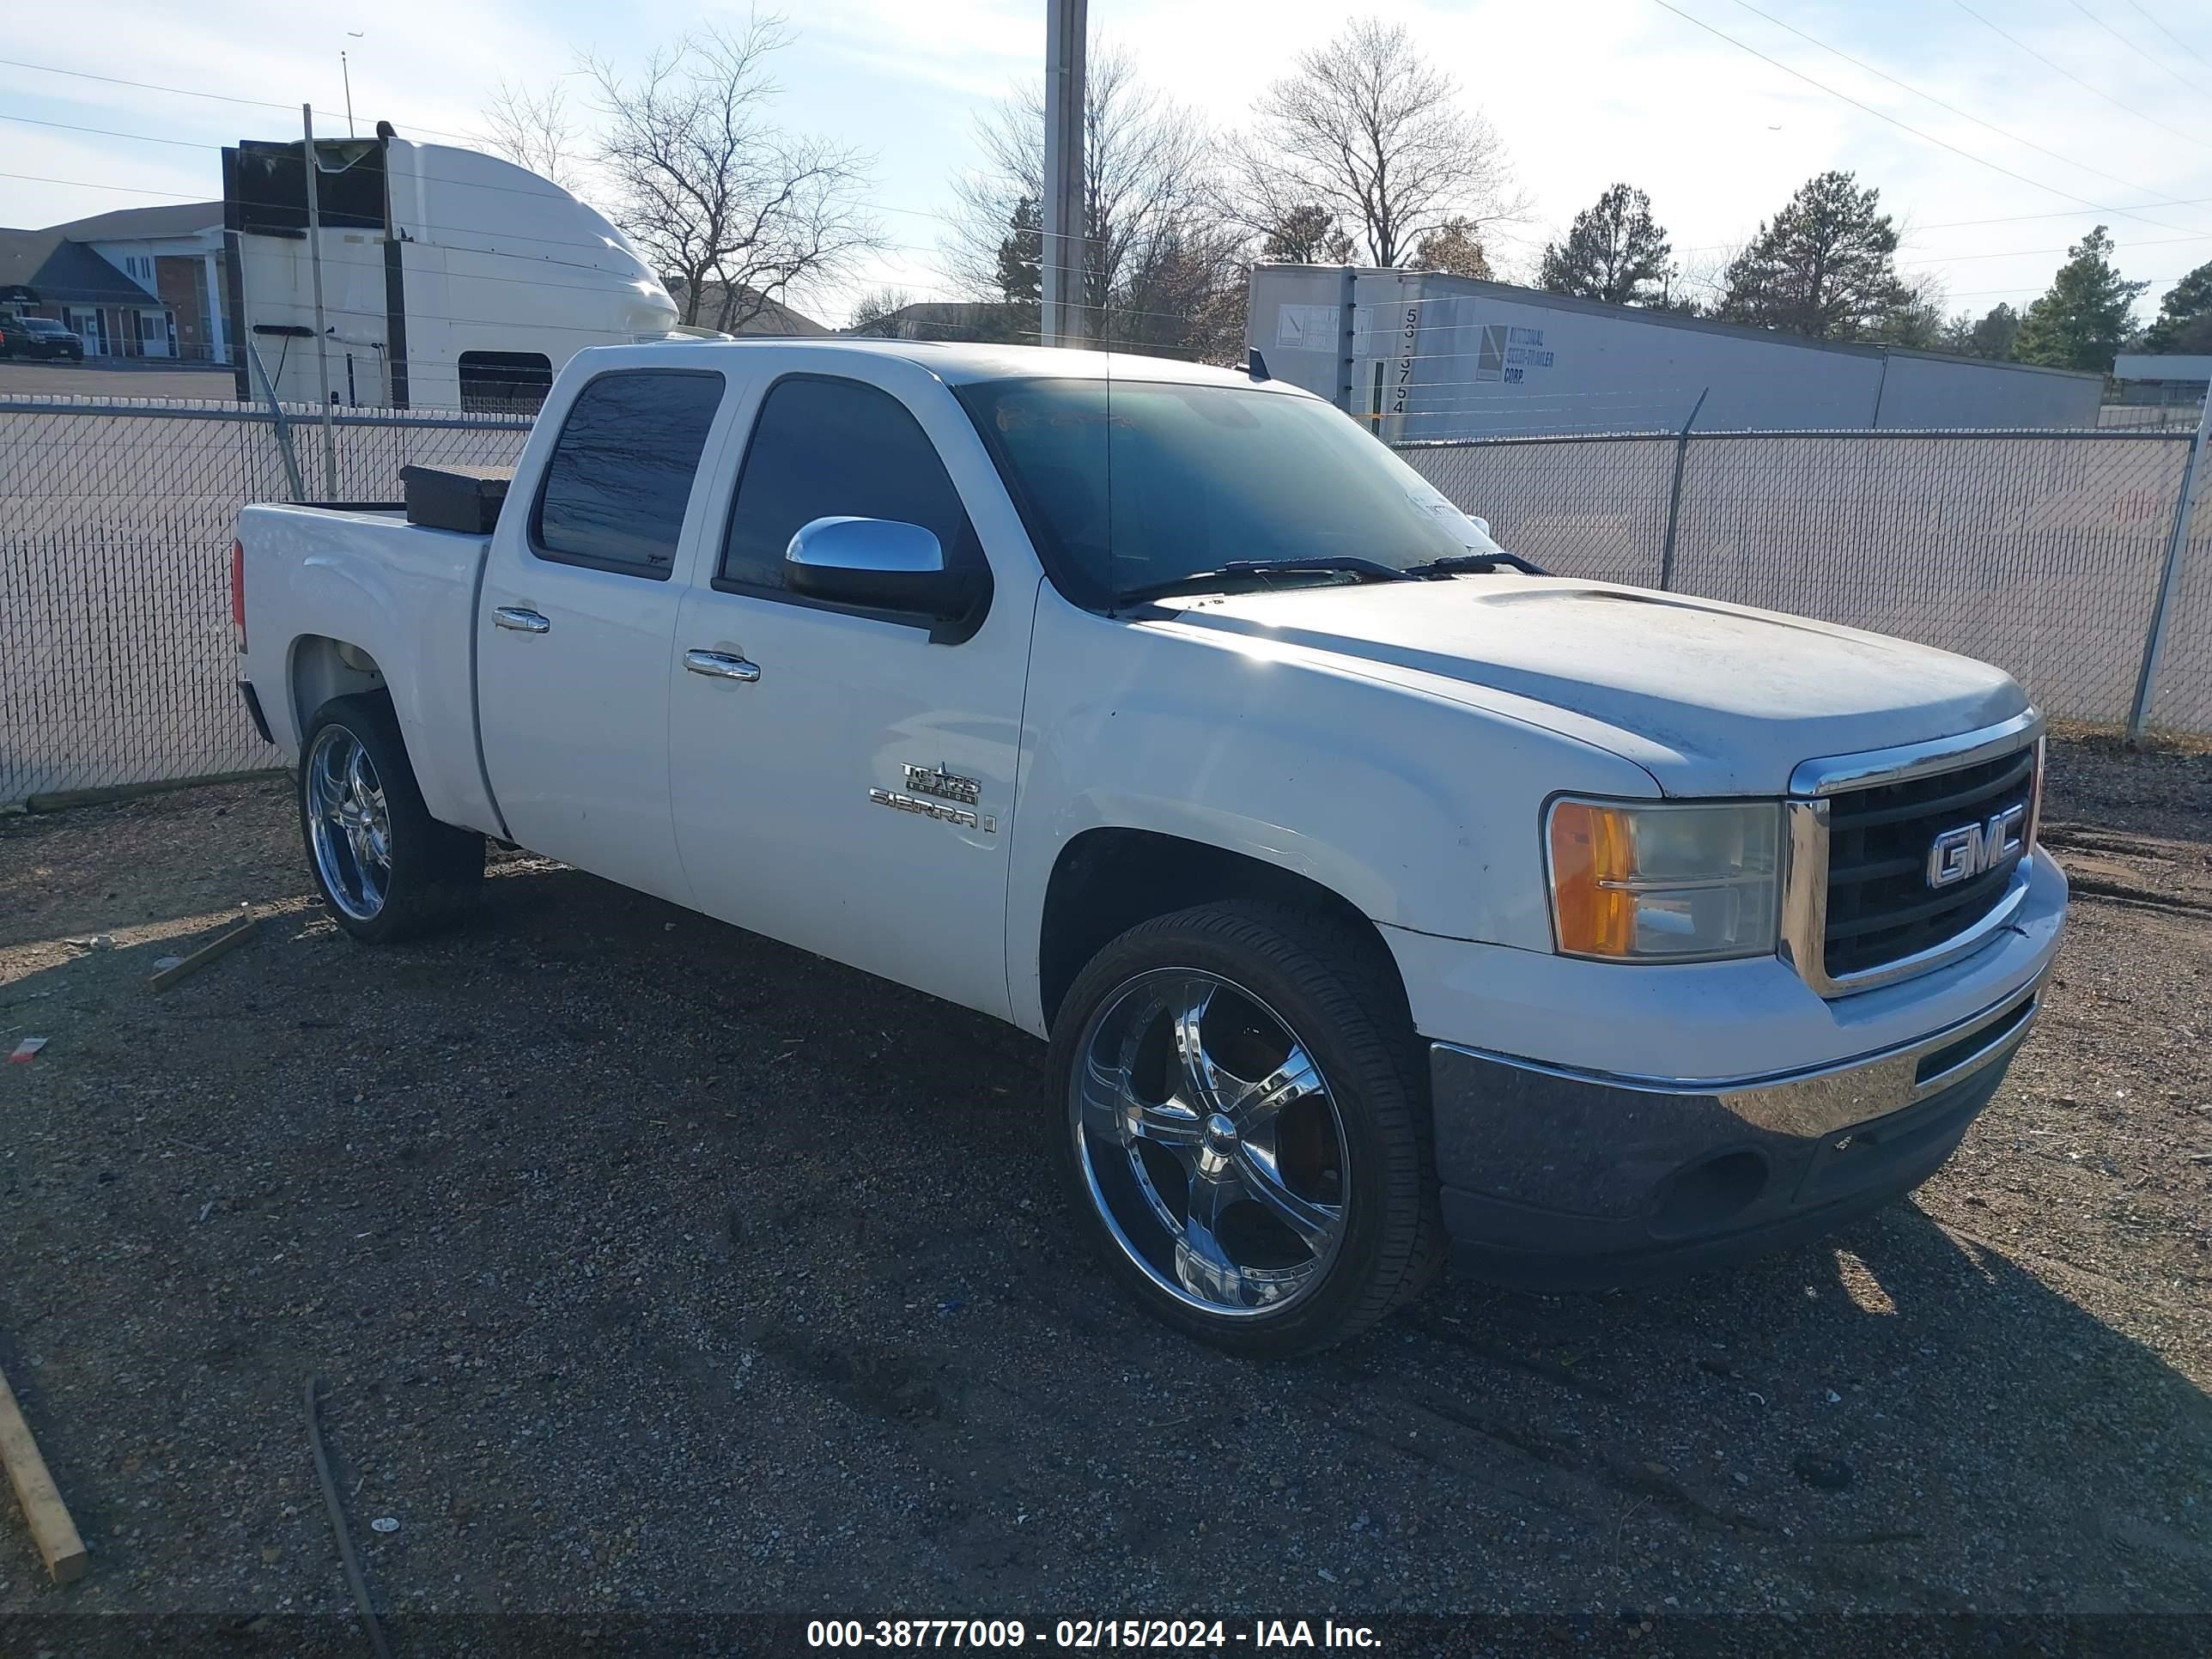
{"x": 2185, "y": 316}
{"x": 1021, "y": 254}
{"x": 1825, "y": 267}
{"x": 1612, "y": 251}
{"x": 1996, "y": 335}
{"x": 1308, "y": 235}
{"x": 2081, "y": 321}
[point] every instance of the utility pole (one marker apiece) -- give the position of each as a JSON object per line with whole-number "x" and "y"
{"x": 1064, "y": 243}
{"x": 322, "y": 329}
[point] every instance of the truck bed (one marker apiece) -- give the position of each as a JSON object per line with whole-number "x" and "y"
{"x": 405, "y": 597}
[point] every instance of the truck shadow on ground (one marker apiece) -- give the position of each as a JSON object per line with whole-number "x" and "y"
{"x": 655, "y": 1264}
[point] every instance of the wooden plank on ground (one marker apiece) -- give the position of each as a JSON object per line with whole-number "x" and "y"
{"x": 207, "y": 953}
{"x": 51, "y": 1529}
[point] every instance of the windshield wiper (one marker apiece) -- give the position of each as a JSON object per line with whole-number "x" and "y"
{"x": 1202, "y": 582}
{"x": 1460, "y": 563}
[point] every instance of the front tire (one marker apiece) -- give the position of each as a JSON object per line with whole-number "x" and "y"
{"x": 386, "y": 869}
{"x": 1243, "y": 1126}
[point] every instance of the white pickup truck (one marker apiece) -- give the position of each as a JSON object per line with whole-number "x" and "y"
{"x": 1381, "y": 898}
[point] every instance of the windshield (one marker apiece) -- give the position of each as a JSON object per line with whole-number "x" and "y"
{"x": 1185, "y": 479}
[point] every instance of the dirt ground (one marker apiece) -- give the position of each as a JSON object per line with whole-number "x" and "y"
{"x": 654, "y": 1267}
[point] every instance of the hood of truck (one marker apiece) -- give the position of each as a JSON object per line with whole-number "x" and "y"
{"x": 1712, "y": 699}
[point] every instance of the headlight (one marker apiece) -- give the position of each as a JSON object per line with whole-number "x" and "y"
{"x": 1664, "y": 883}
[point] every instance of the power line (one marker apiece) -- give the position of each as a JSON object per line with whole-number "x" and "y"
{"x": 2170, "y": 34}
{"x": 2019, "y": 218}
{"x": 2127, "y": 109}
{"x": 1978, "y": 293}
{"x": 1906, "y": 127}
{"x": 2028, "y": 252}
{"x": 1964, "y": 115}
{"x": 218, "y": 97}
{"x": 473, "y": 141}
{"x": 1128, "y": 312}
{"x": 545, "y": 191}
{"x": 2163, "y": 69}
{"x": 127, "y": 190}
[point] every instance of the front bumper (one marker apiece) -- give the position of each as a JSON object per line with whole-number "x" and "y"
{"x": 1556, "y": 1178}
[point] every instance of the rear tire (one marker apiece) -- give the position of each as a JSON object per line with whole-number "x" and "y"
{"x": 386, "y": 869}
{"x": 1242, "y": 1126}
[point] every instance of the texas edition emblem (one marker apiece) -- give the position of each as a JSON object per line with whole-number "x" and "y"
{"x": 935, "y": 780}
{"x": 1962, "y": 854}
{"x": 945, "y": 786}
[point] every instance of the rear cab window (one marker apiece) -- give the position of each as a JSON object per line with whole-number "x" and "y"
{"x": 619, "y": 480}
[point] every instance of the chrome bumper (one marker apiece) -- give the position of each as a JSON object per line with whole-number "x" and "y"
{"x": 1811, "y": 1103}
{"x": 1557, "y": 1177}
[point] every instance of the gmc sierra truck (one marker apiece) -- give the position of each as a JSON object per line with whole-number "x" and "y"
{"x": 1382, "y": 899}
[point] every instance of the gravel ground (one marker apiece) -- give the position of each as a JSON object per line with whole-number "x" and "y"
{"x": 655, "y": 1267}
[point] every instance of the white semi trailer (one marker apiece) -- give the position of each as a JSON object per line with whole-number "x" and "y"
{"x": 451, "y": 279}
{"x": 1422, "y": 355}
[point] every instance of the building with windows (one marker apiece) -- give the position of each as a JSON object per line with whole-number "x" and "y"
{"x": 136, "y": 283}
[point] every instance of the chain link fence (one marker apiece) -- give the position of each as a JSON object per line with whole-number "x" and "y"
{"x": 2042, "y": 552}
{"x": 116, "y": 518}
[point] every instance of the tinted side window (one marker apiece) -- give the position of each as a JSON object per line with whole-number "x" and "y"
{"x": 621, "y": 472}
{"x": 836, "y": 448}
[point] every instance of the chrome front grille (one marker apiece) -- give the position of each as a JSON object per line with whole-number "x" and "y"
{"x": 1904, "y": 859}
{"x": 1881, "y": 908}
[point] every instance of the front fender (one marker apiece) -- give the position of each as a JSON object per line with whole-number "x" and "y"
{"x": 1420, "y": 812}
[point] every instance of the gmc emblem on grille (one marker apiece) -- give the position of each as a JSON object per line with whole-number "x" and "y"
{"x": 1966, "y": 852}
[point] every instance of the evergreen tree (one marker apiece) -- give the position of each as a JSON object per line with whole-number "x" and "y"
{"x": 1021, "y": 254}
{"x": 1308, "y": 235}
{"x": 1613, "y": 251}
{"x": 2185, "y": 316}
{"x": 1825, "y": 267}
{"x": 2081, "y": 321}
{"x": 1993, "y": 335}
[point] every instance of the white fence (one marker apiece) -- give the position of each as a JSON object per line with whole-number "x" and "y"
{"x": 116, "y": 518}
{"x": 2044, "y": 552}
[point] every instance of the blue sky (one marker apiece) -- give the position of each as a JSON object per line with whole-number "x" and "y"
{"x": 1584, "y": 92}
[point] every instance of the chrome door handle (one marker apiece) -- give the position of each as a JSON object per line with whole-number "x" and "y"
{"x": 721, "y": 665}
{"x": 522, "y": 621}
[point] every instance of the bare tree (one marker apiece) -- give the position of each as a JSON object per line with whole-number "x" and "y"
{"x": 1695, "y": 286}
{"x": 1919, "y": 319}
{"x": 736, "y": 211}
{"x": 1372, "y": 132}
{"x": 1455, "y": 248}
{"x": 877, "y": 311}
{"x": 535, "y": 131}
{"x": 1154, "y": 252}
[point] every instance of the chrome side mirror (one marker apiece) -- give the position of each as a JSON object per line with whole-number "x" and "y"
{"x": 880, "y": 564}
{"x": 884, "y": 546}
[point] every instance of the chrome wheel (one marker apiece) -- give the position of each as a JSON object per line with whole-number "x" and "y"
{"x": 348, "y": 824}
{"x": 1210, "y": 1143}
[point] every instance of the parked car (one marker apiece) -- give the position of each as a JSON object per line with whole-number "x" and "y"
{"x": 39, "y": 337}
{"x": 1380, "y": 897}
